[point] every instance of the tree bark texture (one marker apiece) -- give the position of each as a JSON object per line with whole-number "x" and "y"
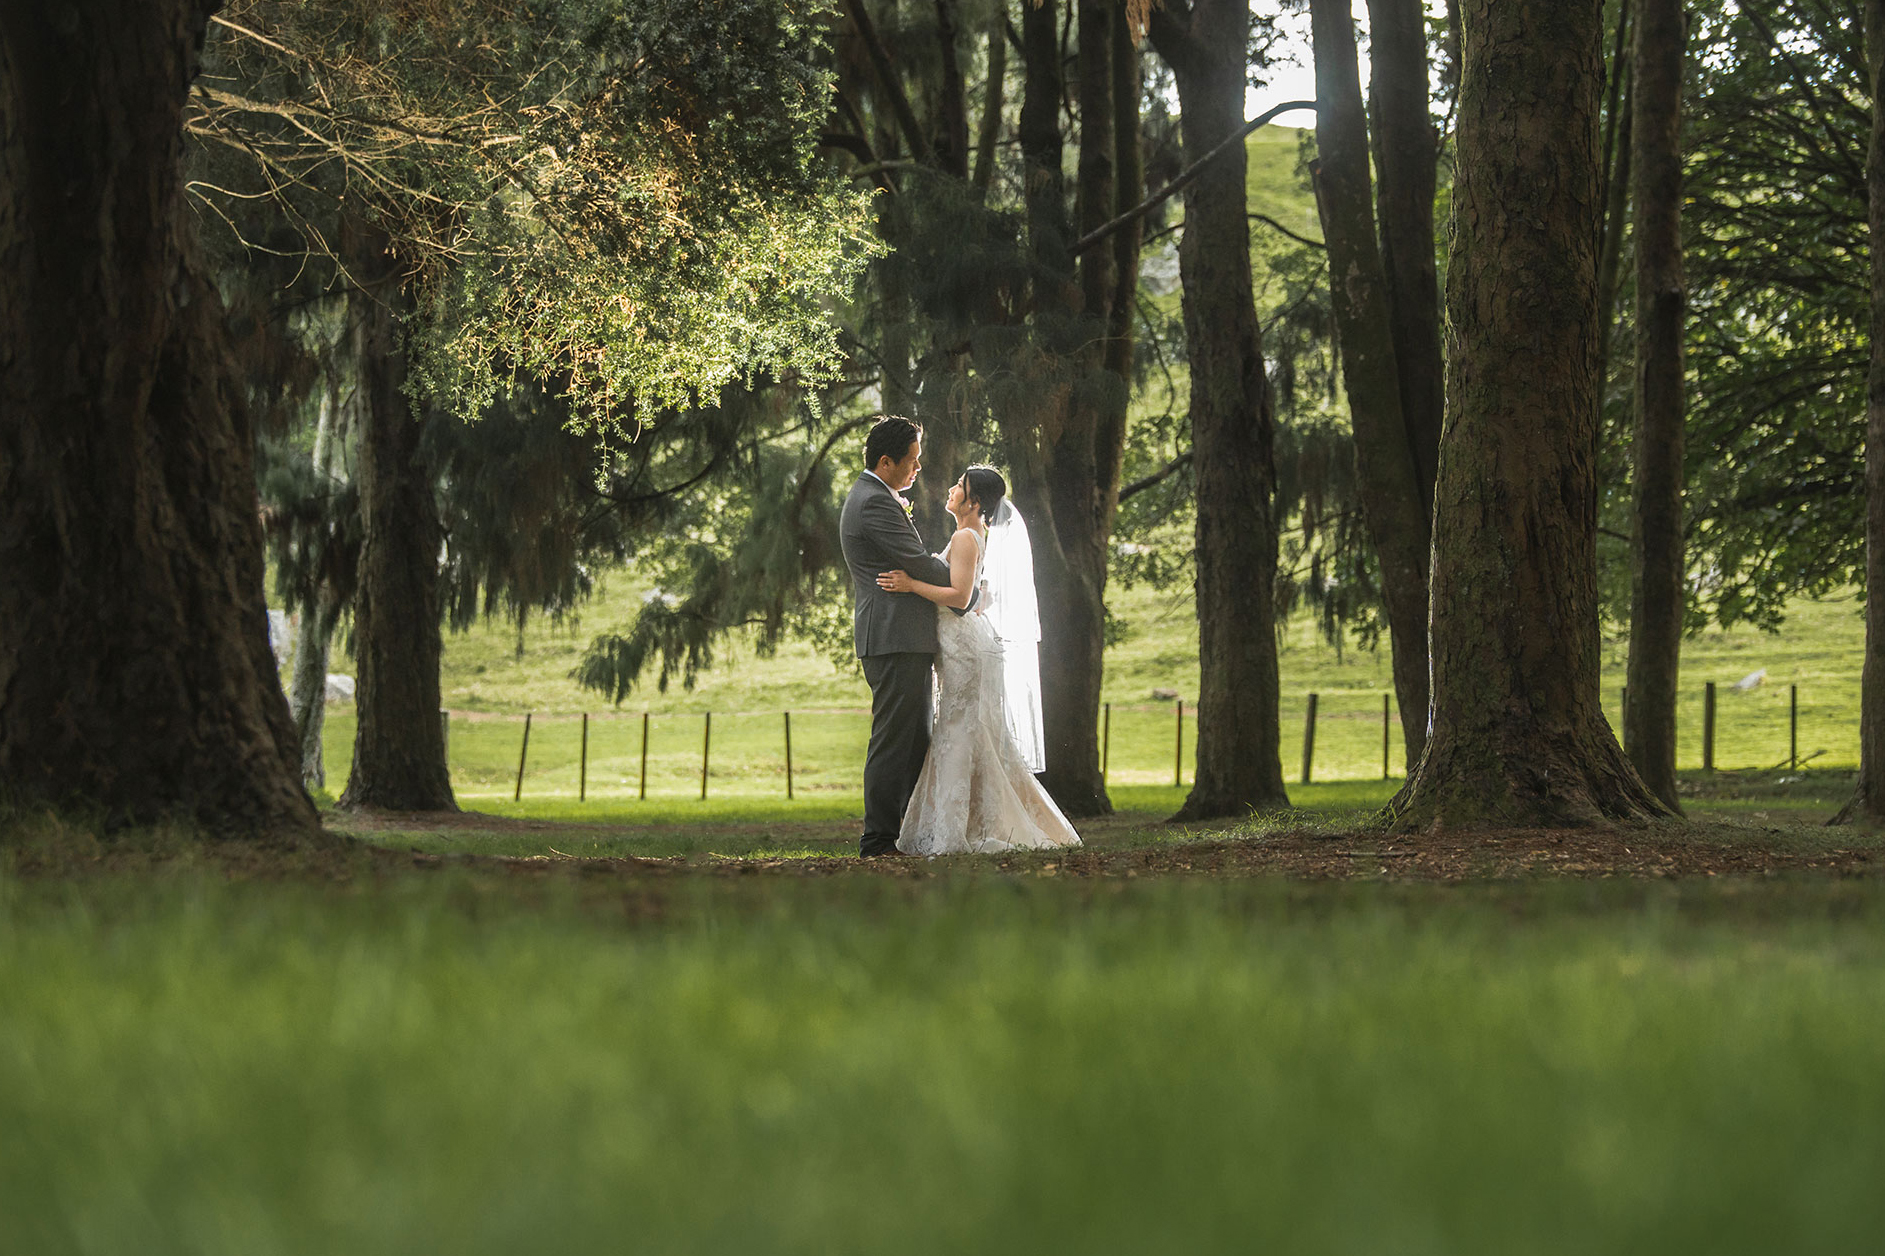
{"x": 1406, "y": 148}
{"x": 952, "y": 106}
{"x": 1394, "y": 501}
{"x": 1868, "y": 803}
{"x": 1657, "y": 594}
{"x": 135, "y": 672}
{"x": 399, "y": 746}
{"x": 1239, "y": 759}
{"x": 1065, "y": 443}
{"x": 1519, "y": 737}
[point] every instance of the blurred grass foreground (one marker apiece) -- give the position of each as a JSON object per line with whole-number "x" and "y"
{"x": 472, "y": 1061}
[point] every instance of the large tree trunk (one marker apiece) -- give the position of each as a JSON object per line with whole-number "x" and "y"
{"x": 1519, "y": 736}
{"x": 1406, "y": 148}
{"x": 1240, "y": 764}
{"x": 135, "y": 671}
{"x": 1396, "y": 495}
{"x": 1064, "y": 443}
{"x": 1869, "y": 802}
{"x": 1657, "y": 599}
{"x": 399, "y": 744}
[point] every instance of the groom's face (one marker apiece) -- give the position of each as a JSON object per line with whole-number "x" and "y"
{"x": 900, "y": 475}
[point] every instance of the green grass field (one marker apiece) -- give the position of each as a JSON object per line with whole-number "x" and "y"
{"x": 464, "y": 1063}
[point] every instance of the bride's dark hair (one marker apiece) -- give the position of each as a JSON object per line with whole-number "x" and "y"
{"x": 985, "y": 488}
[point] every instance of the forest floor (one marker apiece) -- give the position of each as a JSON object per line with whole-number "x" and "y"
{"x": 1745, "y": 825}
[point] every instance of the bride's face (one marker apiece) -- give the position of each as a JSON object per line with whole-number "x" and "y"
{"x": 958, "y": 498}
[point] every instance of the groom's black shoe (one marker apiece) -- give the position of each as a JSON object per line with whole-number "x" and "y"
{"x": 883, "y": 852}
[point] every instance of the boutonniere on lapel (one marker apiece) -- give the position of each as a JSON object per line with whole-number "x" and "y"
{"x": 909, "y": 507}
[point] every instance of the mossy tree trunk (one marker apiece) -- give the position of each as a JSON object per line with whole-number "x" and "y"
{"x": 1519, "y": 737}
{"x": 1868, "y": 803}
{"x": 1232, "y": 425}
{"x": 135, "y": 670}
{"x": 1658, "y": 599}
{"x": 1397, "y": 501}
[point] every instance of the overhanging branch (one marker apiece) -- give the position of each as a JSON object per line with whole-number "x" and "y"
{"x": 1189, "y": 174}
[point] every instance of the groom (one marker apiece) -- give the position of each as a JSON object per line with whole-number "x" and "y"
{"x": 895, "y": 632}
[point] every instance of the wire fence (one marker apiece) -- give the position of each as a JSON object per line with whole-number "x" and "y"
{"x": 1344, "y": 735}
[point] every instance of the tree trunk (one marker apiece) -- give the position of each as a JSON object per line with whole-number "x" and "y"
{"x": 1618, "y": 150}
{"x": 135, "y": 670}
{"x": 1396, "y": 504}
{"x": 1868, "y": 803}
{"x": 1406, "y": 148}
{"x": 952, "y": 107}
{"x": 1240, "y": 765}
{"x": 989, "y": 130}
{"x": 1519, "y": 737}
{"x": 1063, "y": 441}
{"x": 1128, "y": 190}
{"x": 399, "y": 746}
{"x": 1657, "y": 596}
{"x": 307, "y": 690}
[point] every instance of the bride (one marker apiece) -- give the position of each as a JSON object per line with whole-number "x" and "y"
{"x": 976, "y": 793}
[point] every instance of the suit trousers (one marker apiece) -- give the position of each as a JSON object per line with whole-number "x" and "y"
{"x": 900, "y": 716}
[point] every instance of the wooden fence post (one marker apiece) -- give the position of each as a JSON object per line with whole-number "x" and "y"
{"x": 706, "y": 741}
{"x": 1708, "y": 727}
{"x": 521, "y": 753}
{"x": 1309, "y": 739}
{"x": 1793, "y": 727}
{"x": 582, "y": 772}
{"x": 788, "y": 756}
{"x": 644, "y": 755}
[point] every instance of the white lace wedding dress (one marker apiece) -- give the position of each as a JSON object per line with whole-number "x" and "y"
{"x": 975, "y": 794}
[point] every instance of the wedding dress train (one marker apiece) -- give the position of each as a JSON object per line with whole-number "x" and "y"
{"x": 975, "y": 794}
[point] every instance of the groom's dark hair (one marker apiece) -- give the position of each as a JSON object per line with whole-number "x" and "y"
{"x": 891, "y": 437}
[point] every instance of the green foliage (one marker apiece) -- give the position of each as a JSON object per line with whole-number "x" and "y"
{"x": 615, "y": 195}
{"x": 495, "y": 1064}
{"x": 1776, "y": 253}
{"x": 764, "y": 556}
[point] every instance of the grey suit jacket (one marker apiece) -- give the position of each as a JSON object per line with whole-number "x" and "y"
{"x": 877, "y": 537}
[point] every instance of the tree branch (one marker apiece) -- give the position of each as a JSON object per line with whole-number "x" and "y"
{"x": 1185, "y": 179}
{"x": 1139, "y": 486}
{"x": 1268, "y": 221}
